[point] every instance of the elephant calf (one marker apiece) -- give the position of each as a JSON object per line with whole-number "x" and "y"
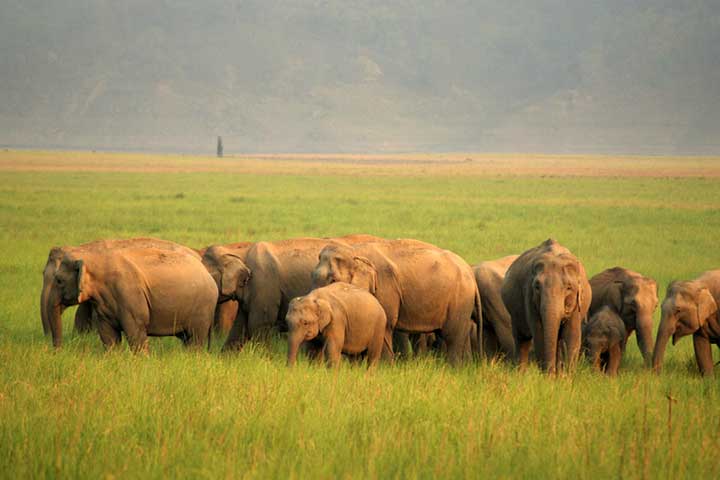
{"x": 604, "y": 339}
{"x": 691, "y": 308}
{"x": 347, "y": 318}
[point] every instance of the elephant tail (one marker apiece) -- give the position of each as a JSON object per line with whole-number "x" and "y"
{"x": 477, "y": 316}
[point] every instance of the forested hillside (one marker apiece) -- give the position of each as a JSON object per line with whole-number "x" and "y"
{"x": 370, "y": 76}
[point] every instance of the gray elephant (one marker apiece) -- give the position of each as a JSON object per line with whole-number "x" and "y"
{"x": 691, "y": 308}
{"x": 263, "y": 277}
{"x": 633, "y": 297}
{"x": 142, "y": 292}
{"x": 51, "y": 306}
{"x": 548, "y": 296}
{"x": 603, "y": 340}
{"x": 422, "y": 288}
{"x": 497, "y": 326}
{"x": 346, "y": 318}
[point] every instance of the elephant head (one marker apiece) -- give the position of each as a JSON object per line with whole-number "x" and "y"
{"x": 229, "y": 271}
{"x": 557, "y": 295}
{"x": 686, "y": 310}
{"x": 62, "y": 281}
{"x": 338, "y": 263}
{"x": 306, "y": 318}
{"x": 635, "y": 299}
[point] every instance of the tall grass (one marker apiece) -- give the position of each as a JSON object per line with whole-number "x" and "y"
{"x": 80, "y": 412}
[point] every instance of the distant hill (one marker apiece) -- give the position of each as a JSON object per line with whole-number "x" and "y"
{"x": 362, "y": 76}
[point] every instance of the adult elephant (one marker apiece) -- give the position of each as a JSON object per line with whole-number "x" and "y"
{"x": 691, "y": 307}
{"x": 142, "y": 292}
{"x": 422, "y": 288}
{"x": 497, "y": 326}
{"x": 633, "y": 297}
{"x": 548, "y": 296}
{"x": 226, "y": 312}
{"x": 51, "y": 306}
{"x": 262, "y": 278}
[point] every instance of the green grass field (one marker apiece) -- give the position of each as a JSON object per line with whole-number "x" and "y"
{"x": 80, "y": 412}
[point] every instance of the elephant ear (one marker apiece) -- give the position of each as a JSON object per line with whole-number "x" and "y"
{"x": 706, "y": 306}
{"x": 79, "y": 267}
{"x": 235, "y": 274}
{"x": 324, "y": 313}
{"x": 614, "y": 296}
{"x": 364, "y": 274}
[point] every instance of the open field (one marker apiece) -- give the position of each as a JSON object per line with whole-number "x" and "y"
{"x": 80, "y": 412}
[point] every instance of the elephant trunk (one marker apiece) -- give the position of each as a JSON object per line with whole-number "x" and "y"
{"x": 551, "y": 311}
{"x": 44, "y": 294}
{"x": 295, "y": 339}
{"x": 52, "y": 315}
{"x": 666, "y": 329}
{"x": 644, "y": 336}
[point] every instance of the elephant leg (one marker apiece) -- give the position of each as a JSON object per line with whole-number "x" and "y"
{"x": 523, "y": 352}
{"x": 224, "y": 316}
{"x": 604, "y": 359}
{"x": 457, "y": 338}
{"x": 538, "y": 343}
{"x": 615, "y": 356}
{"x": 375, "y": 349}
{"x": 84, "y": 316}
{"x": 388, "y": 354}
{"x": 490, "y": 343}
{"x": 401, "y": 344}
{"x": 238, "y": 333}
{"x": 197, "y": 338}
{"x": 595, "y": 361}
{"x": 504, "y": 338}
{"x": 571, "y": 336}
{"x": 134, "y": 331}
{"x": 418, "y": 342}
{"x": 333, "y": 350}
{"x": 703, "y": 354}
{"x": 109, "y": 335}
{"x": 262, "y": 322}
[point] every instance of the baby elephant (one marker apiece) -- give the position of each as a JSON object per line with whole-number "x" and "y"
{"x": 346, "y": 318}
{"x": 604, "y": 338}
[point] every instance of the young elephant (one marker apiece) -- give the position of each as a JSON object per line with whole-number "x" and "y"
{"x": 347, "y": 318}
{"x": 142, "y": 292}
{"x": 604, "y": 339}
{"x": 691, "y": 308}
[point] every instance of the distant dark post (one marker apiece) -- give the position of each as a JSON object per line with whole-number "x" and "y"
{"x": 219, "y": 148}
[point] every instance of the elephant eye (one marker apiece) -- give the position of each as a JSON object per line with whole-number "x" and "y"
{"x": 58, "y": 281}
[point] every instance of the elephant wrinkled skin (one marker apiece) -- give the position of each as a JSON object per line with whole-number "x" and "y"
{"x": 691, "y": 308}
{"x": 548, "y": 295}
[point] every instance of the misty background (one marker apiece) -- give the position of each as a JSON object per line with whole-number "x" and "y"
{"x": 611, "y": 76}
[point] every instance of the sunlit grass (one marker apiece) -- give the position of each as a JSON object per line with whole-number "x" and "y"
{"x": 80, "y": 412}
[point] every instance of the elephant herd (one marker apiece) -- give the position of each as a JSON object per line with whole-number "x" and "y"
{"x": 365, "y": 296}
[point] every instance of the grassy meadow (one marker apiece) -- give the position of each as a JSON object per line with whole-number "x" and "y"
{"x": 82, "y": 413}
